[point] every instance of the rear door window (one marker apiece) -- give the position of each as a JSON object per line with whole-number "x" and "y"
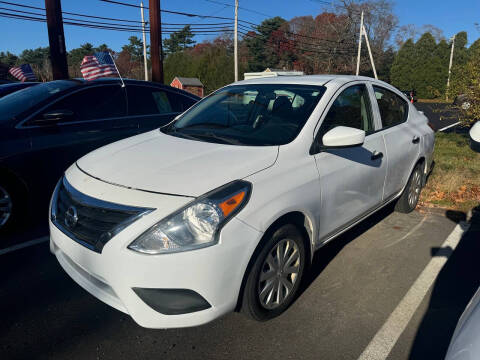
{"x": 393, "y": 109}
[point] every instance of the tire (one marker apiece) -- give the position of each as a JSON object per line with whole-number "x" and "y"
{"x": 260, "y": 296}
{"x": 409, "y": 199}
{"x": 10, "y": 207}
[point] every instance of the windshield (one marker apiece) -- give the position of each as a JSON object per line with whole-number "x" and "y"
{"x": 265, "y": 114}
{"x": 16, "y": 103}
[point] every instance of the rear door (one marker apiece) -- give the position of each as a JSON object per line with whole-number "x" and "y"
{"x": 402, "y": 140}
{"x": 151, "y": 107}
{"x": 351, "y": 179}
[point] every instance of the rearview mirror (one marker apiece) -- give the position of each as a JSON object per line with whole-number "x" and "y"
{"x": 343, "y": 136}
{"x": 57, "y": 116}
{"x": 475, "y": 137}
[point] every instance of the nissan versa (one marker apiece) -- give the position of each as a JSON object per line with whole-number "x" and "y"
{"x": 223, "y": 208}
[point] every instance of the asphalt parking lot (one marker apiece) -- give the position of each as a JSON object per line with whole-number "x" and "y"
{"x": 442, "y": 116}
{"x": 362, "y": 299}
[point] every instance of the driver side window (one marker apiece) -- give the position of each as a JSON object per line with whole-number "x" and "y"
{"x": 351, "y": 108}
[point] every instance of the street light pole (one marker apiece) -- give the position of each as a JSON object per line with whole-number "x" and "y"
{"x": 450, "y": 67}
{"x": 144, "y": 42}
{"x": 235, "y": 41}
{"x": 359, "y": 44}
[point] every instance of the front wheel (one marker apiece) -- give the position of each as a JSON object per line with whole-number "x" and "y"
{"x": 409, "y": 199}
{"x": 276, "y": 274}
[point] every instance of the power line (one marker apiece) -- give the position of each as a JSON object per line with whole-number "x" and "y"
{"x": 107, "y": 27}
{"x": 317, "y": 50}
{"x": 173, "y": 12}
{"x": 99, "y": 17}
{"x": 242, "y": 8}
{"x": 296, "y": 34}
{"x": 130, "y": 27}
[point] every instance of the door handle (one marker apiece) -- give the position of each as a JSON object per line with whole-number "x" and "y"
{"x": 415, "y": 140}
{"x": 376, "y": 155}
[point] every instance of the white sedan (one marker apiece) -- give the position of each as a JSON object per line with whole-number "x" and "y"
{"x": 223, "y": 208}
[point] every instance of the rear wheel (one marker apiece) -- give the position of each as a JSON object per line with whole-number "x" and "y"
{"x": 276, "y": 274}
{"x": 409, "y": 199}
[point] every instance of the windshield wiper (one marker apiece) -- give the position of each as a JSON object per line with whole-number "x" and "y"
{"x": 204, "y": 124}
{"x": 225, "y": 140}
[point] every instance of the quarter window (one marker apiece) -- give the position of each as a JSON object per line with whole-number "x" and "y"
{"x": 393, "y": 109}
{"x": 351, "y": 108}
{"x": 143, "y": 100}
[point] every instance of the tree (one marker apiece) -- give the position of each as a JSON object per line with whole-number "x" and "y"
{"x": 179, "y": 40}
{"x": 8, "y": 58}
{"x": 263, "y": 47}
{"x": 34, "y": 56}
{"x": 75, "y": 56}
{"x": 134, "y": 48}
{"x": 411, "y": 31}
{"x": 430, "y": 74}
{"x": 402, "y": 73}
{"x": 469, "y": 84}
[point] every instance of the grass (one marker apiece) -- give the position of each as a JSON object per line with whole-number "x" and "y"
{"x": 455, "y": 180}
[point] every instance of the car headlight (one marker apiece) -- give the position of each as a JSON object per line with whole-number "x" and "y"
{"x": 196, "y": 225}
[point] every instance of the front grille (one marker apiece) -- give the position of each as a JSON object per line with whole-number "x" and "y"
{"x": 90, "y": 221}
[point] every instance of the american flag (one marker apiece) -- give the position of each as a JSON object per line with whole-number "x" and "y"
{"x": 23, "y": 73}
{"x": 97, "y": 65}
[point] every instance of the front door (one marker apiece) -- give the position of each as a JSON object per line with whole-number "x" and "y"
{"x": 352, "y": 178}
{"x": 95, "y": 121}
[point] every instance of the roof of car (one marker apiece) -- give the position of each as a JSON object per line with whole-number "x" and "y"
{"x": 308, "y": 79}
{"x": 18, "y": 84}
{"x": 116, "y": 80}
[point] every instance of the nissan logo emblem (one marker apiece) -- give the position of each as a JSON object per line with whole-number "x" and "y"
{"x": 71, "y": 217}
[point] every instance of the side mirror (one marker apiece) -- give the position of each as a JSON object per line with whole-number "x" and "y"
{"x": 475, "y": 137}
{"x": 343, "y": 136}
{"x": 56, "y": 116}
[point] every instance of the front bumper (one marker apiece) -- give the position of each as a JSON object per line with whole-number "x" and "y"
{"x": 215, "y": 272}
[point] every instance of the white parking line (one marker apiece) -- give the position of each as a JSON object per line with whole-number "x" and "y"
{"x": 24, "y": 245}
{"x": 449, "y": 126}
{"x": 385, "y": 339}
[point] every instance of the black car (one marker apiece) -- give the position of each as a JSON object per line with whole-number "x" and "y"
{"x": 9, "y": 88}
{"x": 47, "y": 127}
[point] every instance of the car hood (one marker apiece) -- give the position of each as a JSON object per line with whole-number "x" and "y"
{"x": 167, "y": 164}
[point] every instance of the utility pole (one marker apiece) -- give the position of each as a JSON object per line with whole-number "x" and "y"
{"x": 359, "y": 44}
{"x": 144, "y": 42}
{"x": 370, "y": 52}
{"x": 156, "y": 52}
{"x": 56, "y": 39}
{"x": 450, "y": 66}
{"x": 235, "y": 41}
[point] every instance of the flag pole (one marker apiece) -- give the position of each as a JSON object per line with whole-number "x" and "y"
{"x": 116, "y": 68}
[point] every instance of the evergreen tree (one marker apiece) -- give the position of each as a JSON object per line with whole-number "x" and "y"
{"x": 8, "y": 58}
{"x": 134, "y": 48}
{"x": 262, "y": 46}
{"x": 402, "y": 73}
{"x": 179, "y": 40}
